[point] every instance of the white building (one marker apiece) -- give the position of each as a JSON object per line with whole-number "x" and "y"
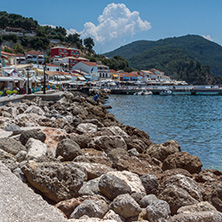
{"x": 35, "y": 57}
{"x": 95, "y": 69}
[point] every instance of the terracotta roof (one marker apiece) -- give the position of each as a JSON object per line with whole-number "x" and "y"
{"x": 20, "y": 55}
{"x": 7, "y": 54}
{"x": 51, "y": 65}
{"x": 57, "y": 73}
{"x": 129, "y": 74}
{"x": 33, "y": 52}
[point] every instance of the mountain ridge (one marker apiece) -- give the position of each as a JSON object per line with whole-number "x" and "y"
{"x": 194, "y": 47}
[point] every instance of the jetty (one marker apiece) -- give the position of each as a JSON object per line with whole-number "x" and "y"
{"x": 175, "y": 90}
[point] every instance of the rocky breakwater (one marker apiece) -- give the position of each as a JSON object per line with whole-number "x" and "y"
{"x": 90, "y": 166}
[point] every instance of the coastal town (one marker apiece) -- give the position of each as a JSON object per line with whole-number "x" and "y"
{"x": 27, "y": 73}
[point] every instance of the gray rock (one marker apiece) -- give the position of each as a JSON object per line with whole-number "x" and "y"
{"x": 91, "y": 208}
{"x": 90, "y": 187}
{"x": 158, "y": 211}
{"x": 111, "y": 215}
{"x": 11, "y": 146}
{"x": 34, "y": 133}
{"x": 133, "y": 152}
{"x": 68, "y": 149}
{"x": 57, "y": 181}
{"x": 20, "y": 203}
{"x": 86, "y": 128}
{"x": 36, "y": 149}
{"x": 107, "y": 143}
{"x": 21, "y": 155}
{"x": 94, "y": 170}
{"x": 150, "y": 183}
{"x": 35, "y": 109}
{"x": 14, "y": 128}
{"x": 125, "y": 206}
{"x": 138, "y": 196}
{"x": 112, "y": 186}
{"x": 147, "y": 200}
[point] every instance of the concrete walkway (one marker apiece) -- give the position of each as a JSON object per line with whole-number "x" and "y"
{"x": 19, "y": 203}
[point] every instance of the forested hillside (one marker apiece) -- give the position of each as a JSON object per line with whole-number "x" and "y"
{"x": 191, "y": 58}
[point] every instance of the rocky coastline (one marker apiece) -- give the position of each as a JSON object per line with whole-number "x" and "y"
{"x": 90, "y": 167}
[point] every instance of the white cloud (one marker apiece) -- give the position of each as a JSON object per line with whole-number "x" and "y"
{"x": 116, "y": 23}
{"x": 208, "y": 37}
{"x": 71, "y": 31}
{"x": 52, "y": 26}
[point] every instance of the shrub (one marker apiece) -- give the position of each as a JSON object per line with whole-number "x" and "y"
{"x": 1, "y": 93}
{"x": 14, "y": 91}
{"x": 8, "y": 92}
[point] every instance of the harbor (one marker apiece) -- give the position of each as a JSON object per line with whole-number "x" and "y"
{"x": 188, "y": 90}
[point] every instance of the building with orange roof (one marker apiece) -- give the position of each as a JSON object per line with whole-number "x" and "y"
{"x": 10, "y": 57}
{"x": 35, "y": 57}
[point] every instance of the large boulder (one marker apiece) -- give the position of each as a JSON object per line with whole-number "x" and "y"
{"x": 107, "y": 143}
{"x": 131, "y": 179}
{"x": 125, "y": 206}
{"x": 176, "y": 197}
{"x": 150, "y": 183}
{"x": 68, "y": 206}
{"x": 216, "y": 196}
{"x": 136, "y": 164}
{"x": 57, "y": 181}
{"x": 35, "y": 109}
{"x": 162, "y": 151}
{"x": 111, "y": 215}
{"x": 33, "y": 133}
{"x": 94, "y": 170}
{"x": 183, "y": 160}
{"x": 91, "y": 208}
{"x": 35, "y": 149}
{"x": 115, "y": 131}
{"x": 11, "y": 145}
{"x": 112, "y": 186}
{"x": 90, "y": 187}
{"x": 158, "y": 210}
{"x": 68, "y": 149}
{"x": 86, "y": 128}
{"x": 199, "y": 212}
{"x": 18, "y": 202}
{"x": 185, "y": 183}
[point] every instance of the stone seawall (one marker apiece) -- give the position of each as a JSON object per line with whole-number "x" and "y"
{"x": 82, "y": 160}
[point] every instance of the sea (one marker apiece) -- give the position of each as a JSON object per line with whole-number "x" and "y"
{"x": 194, "y": 121}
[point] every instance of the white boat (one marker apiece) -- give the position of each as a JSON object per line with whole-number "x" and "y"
{"x": 143, "y": 92}
{"x": 165, "y": 92}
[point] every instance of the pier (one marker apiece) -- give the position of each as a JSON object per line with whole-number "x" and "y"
{"x": 175, "y": 91}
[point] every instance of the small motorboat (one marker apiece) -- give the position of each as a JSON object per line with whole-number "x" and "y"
{"x": 165, "y": 92}
{"x": 143, "y": 93}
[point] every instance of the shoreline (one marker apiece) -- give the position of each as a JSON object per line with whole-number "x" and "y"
{"x": 92, "y": 159}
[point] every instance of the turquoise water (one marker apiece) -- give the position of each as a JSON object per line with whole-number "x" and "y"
{"x": 193, "y": 121}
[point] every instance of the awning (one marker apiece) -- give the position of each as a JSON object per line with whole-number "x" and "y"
{"x": 81, "y": 78}
{"x": 115, "y": 75}
{"x": 6, "y": 78}
{"x": 17, "y": 78}
{"x": 88, "y": 76}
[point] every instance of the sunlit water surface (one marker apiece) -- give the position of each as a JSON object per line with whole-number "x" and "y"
{"x": 193, "y": 121}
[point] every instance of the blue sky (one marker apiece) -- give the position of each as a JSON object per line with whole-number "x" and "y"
{"x": 112, "y": 24}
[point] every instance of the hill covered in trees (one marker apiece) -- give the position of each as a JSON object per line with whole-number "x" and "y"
{"x": 191, "y": 58}
{"x": 28, "y": 33}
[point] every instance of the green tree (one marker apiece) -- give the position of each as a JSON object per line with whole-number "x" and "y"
{"x": 17, "y": 48}
{"x": 89, "y": 43}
